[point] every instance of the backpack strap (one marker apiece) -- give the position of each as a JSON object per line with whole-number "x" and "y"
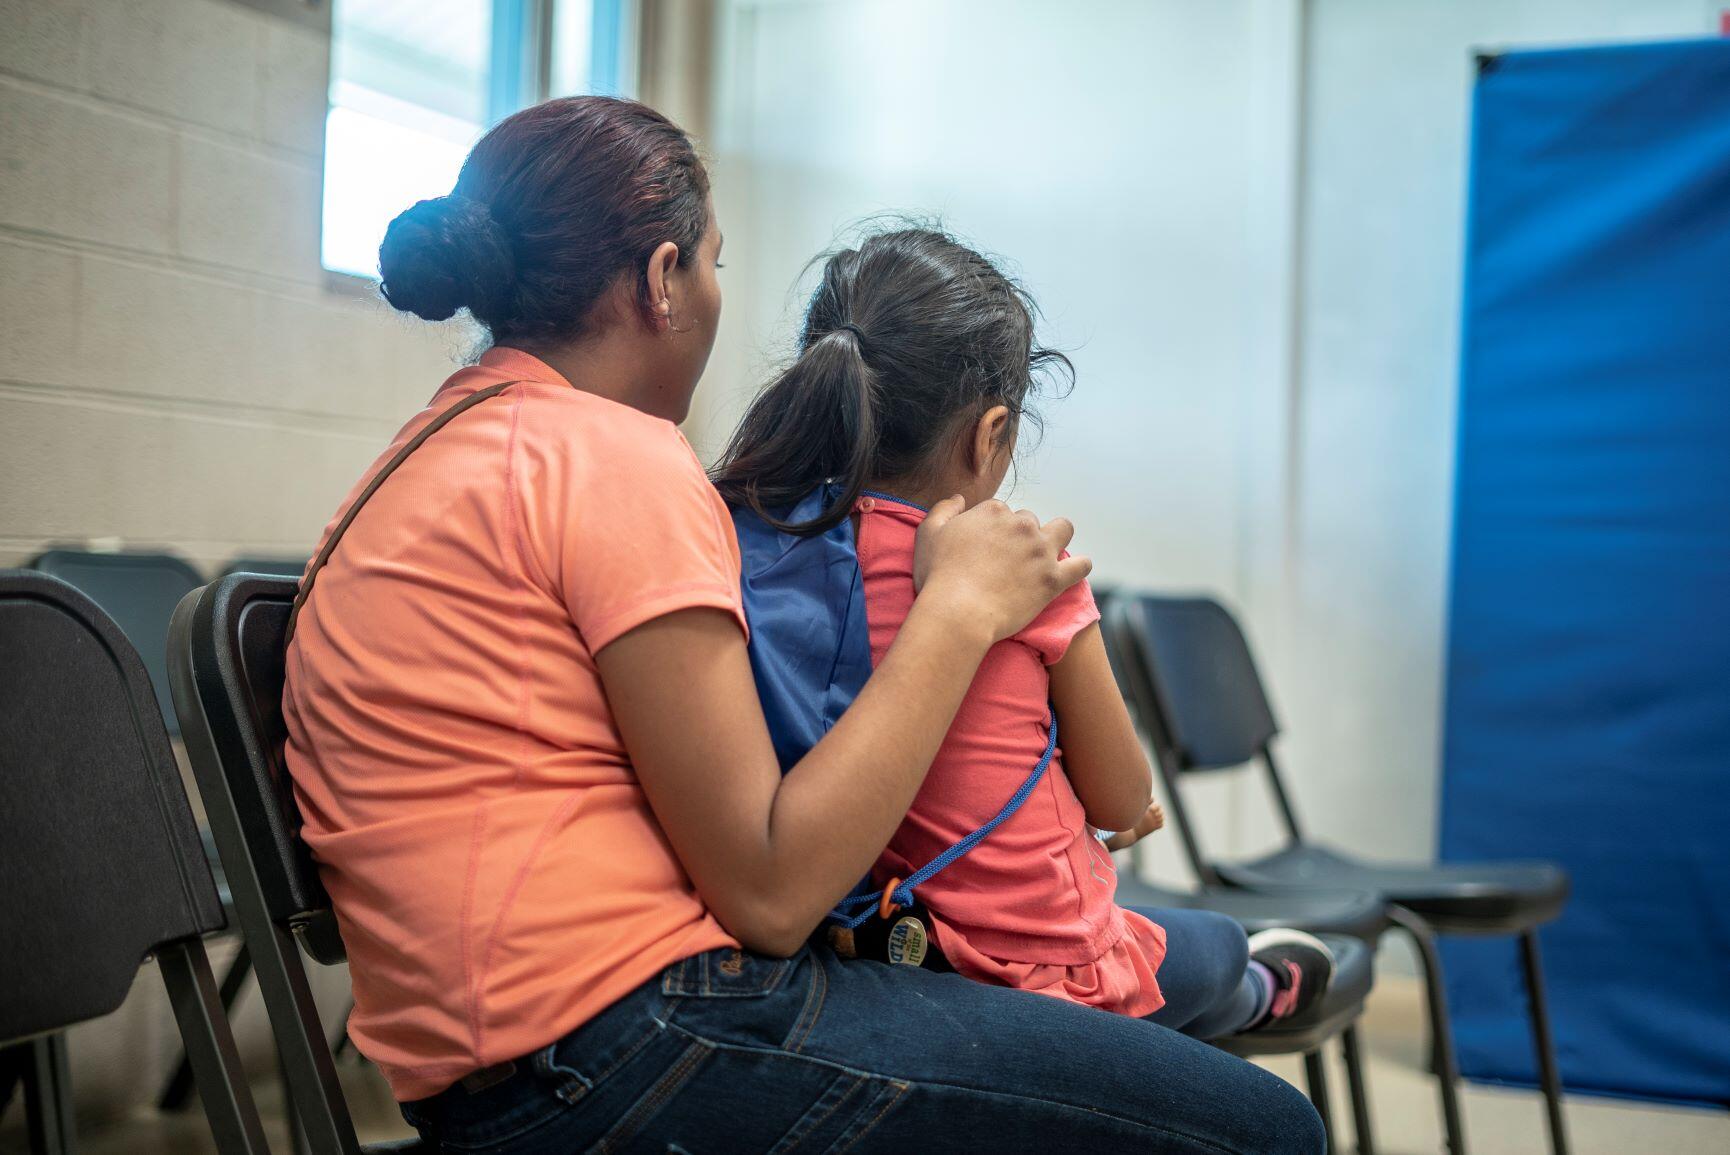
{"x": 414, "y": 443}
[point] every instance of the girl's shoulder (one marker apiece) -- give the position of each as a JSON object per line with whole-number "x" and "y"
{"x": 1070, "y": 612}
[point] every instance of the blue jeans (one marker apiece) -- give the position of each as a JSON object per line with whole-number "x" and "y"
{"x": 1209, "y": 992}
{"x": 732, "y": 1052}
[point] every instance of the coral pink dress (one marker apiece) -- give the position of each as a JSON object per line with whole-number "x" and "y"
{"x": 1033, "y": 906}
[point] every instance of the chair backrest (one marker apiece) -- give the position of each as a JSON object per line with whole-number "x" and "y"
{"x": 139, "y": 591}
{"x": 1209, "y": 696}
{"x": 1187, "y": 674}
{"x": 226, "y": 667}
{"x": 291, "y": 567}
{"x": 226, "y": 645}
{"x": 99, "y": 855}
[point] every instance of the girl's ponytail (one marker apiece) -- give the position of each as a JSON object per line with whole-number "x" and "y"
{"x": 816, "y": 423}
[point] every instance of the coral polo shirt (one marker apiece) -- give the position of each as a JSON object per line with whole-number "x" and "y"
{"x": 495, "y": 868}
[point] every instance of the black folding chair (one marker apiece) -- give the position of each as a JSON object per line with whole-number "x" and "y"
{"x": 1349, "y": 921}
{"x": 225, "y": 647}
{"x": 101, "y": 859}
{"x": 1205, "y": 708}
{"x": 271, "y": 566}
{"x": 139, "y": 591}
{"x": 1341, "y": 921}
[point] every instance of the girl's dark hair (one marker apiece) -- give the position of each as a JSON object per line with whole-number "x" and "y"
{"x": 551, "y": 207}
{"x": 907, "y": 338}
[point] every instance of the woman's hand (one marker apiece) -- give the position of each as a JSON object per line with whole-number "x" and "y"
{"x": 990, "y": 567}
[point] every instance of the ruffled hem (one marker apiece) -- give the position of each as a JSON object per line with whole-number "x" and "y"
{"x": 1121, "y": 979}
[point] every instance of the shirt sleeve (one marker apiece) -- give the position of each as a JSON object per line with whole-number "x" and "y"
{"x": 646, "y": 535}
{"x": 1069, "y": 613}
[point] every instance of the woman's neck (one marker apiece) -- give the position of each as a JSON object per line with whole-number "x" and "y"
{"x": 586, "y": 364}
{"x": 614, "y": 363}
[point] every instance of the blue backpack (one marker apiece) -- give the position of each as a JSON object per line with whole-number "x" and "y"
{"x": 810, "y": 653}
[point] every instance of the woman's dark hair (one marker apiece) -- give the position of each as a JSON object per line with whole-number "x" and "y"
{"x": 552, "y": 206}
{"x": 908, "y": 338}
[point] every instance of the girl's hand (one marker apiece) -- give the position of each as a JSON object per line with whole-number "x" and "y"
{"x": 1151, "y": 821}
{"x": 991, "y": 567}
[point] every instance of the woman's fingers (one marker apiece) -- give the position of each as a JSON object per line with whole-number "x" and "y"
{"x": 1002, "y": 567}
{"x": 941, "y": 515}
{"x": 944, "y": 510}
{"x": 1059, "y": 531}
{"x": 1072, "y": 569}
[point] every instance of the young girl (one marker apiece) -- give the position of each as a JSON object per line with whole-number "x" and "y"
{"x": 917, "y": 360}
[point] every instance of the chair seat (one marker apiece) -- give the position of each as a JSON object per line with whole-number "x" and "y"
{"x": 1354, "y": 975}
{"x": 1359, "y": 913}
{"x": 1468, "y": 898}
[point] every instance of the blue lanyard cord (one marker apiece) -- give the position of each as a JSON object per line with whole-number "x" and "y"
{"x": 903, "y": 896}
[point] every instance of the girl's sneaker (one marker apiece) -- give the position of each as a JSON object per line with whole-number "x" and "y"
{"x": 1302, "y": 967}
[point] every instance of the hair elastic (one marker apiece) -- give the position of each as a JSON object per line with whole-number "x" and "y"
{"x": 858, "y": 334}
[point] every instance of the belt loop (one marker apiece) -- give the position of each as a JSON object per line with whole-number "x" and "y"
{"x": 568, "y": 1084}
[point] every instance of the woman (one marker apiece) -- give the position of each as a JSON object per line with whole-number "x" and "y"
{"x": 574, "y": 886}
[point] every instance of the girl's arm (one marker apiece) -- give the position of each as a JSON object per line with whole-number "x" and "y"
{"x": 1101, "y": 753}
{"x": 771, "y": 855}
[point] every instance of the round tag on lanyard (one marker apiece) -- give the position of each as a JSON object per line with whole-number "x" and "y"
{"x": 908, "y": 941}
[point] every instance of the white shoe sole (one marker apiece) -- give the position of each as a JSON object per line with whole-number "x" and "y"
{"x": 1284, "y": 936}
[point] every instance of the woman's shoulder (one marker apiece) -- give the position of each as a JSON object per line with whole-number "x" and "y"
{"x": 604, "y": 432}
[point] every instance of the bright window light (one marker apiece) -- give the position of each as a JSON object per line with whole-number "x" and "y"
{"x": 414, "y": 83}
{"x": 374, "y": 168}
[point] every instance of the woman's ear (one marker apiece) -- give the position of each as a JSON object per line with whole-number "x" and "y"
{"x": 659, "y": 279}
{"x": 990, "y": 439}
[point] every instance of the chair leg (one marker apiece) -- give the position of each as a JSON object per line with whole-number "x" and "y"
{"x": 1542, "y": 1040}
{"x": 210, "y": 1048}
{"x": 296, "y": 1132}
{"x": 48, "y": 1097}
{"x": 179, "y": 1089}
{"x": 315, "y": 1104}
{"x": 1361, "y": 1129}
{"x": 1441, "y": 1033}
{"x": 1316, "y": 1076}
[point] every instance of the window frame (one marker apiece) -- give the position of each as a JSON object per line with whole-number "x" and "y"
{"x": 519, "y": 74}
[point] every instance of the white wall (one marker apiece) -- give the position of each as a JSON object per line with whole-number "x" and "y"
{"x": 1116, "y": 154}
{"x": 1386, "y": 141}
{"x": 1244, "y": 217}
{"x": 173, "y": 369}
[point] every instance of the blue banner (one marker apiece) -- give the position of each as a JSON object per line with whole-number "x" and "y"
{"x": 1588, "y": 684}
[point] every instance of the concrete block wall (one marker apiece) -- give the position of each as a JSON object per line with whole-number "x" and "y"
{"x": 175, "y": 367}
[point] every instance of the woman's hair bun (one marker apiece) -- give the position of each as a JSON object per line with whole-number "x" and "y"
{"x": 445, "y": 254}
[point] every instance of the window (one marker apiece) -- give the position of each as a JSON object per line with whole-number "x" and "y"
{"x": 414, "y": 83}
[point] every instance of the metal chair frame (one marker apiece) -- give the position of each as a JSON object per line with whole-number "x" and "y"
{"x": 1421, "y": 929}
{"x": 1136, "y": 680}
{"x": 281, "y": 906}
{"x": 189, "y": 912}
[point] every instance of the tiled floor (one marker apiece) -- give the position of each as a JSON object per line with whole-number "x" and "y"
{"x": 1402, "y": 1102}
{"x": 1406, "y": 1116}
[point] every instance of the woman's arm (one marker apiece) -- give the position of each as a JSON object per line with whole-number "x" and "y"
{"x": 772, "y": 854}
{"x": 1101, "y": 753}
